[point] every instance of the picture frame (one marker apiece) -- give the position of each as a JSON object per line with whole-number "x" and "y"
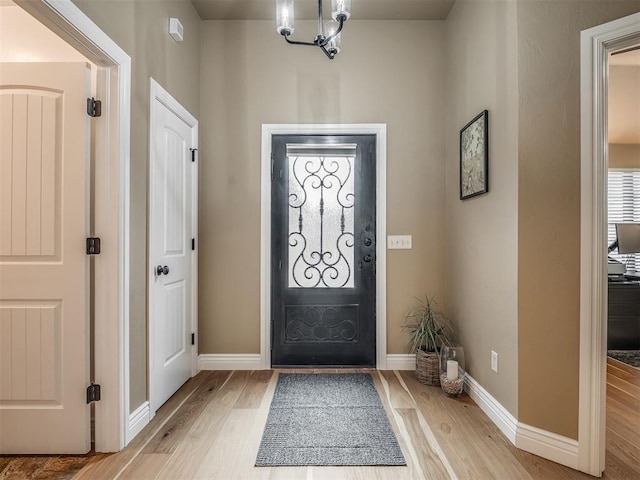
{"x": 474, "y": 157}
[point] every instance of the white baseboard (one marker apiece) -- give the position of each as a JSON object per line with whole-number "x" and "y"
{"x": 534, "y": 440}
{"x": 252, "y": 361}
{"x": 548, "y": 445}
{"x": 499, "y": 415}
{"x": 230, "y": 361}
{"x": 403, "y": 361}
{"x": 137, "y": 421}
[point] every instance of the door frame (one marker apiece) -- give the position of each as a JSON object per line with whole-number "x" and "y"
{"x": 159, "y": 94}
{"x": 380, "y": 131}
{"x": 595, "y": 46}
{"x": 112, "y": 141}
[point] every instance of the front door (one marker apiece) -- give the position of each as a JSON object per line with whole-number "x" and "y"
{"x": 323, "y": 250}
{"x": 44, "y": 321}
{"x": 171, "y": 254}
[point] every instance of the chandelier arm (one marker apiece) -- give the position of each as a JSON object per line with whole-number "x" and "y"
{"x": 341, "y": 19}
{"x": 295, "y": 42}
{"x": 329, "y": 54}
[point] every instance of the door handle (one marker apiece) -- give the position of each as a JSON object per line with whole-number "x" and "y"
{"x": 162, "y": 270}
{"x": 367, "y": 258}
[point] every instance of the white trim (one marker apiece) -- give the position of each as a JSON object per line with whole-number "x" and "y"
{"x": 230, "y": 361}
{"x": 400, "y": 361}
{"x": 545, "y": 444}
{"x": 380, "y": 131}
{"x": 499, "y": 415}
{"x": 139, "y": 419}
{"x": 548, "y": 445}
{"x": 159, "y": 95}
{"x": 112, "y": 212}
{"x": 595, "y": 45}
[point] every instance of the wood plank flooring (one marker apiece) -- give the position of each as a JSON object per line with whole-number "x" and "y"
{"x": 212, "y": 427}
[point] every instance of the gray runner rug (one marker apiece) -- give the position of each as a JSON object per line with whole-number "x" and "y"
{"x": 327, "y": 419}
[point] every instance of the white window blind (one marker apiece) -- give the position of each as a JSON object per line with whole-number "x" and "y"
{"x": 623, "y": 206}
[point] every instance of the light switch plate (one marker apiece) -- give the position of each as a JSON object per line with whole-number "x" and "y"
{"x": 402, "y": 242}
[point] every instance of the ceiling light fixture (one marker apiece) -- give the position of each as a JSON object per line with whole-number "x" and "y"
{"x": 328, "y": 38}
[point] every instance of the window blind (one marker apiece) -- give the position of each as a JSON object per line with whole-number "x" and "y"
{"x": 623, "y": 206}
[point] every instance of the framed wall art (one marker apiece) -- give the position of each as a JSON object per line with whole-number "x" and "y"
{"x": 474, "y": 157}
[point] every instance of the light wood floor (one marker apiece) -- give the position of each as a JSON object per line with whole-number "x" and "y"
{"x": 211, "y": 429}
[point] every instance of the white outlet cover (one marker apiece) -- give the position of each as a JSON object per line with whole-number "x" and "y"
{"x": 399, "y": 242}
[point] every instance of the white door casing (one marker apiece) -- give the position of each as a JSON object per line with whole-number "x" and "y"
{"x": 172, "y": 261}
{"x": 44, "y": 304}
{"x": 596, "y": 44}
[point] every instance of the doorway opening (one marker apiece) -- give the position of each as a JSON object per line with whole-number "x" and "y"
{"x": 111, "y": 214}
{"x": 597, "y": 44}
{"x": 373, "y": 260}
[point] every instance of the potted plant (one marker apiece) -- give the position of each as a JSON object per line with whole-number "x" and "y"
{"x": 429, "y": 329}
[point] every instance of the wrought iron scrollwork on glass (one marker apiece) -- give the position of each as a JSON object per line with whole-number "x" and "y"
{"x": 321, "y": 238}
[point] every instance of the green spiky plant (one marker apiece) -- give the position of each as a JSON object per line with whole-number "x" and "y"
{"x": 429, "y": 328}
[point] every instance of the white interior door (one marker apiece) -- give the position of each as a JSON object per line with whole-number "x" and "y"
{"x": 171, "y": 258}
{"x": 44, "y": 347}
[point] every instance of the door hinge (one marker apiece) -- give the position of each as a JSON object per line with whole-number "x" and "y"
{"x": 193, "y": 244}
{"x": 193, "y": 154}
{"x": 193, "y": 339}
{"x": 93, "y": 245}
{"x": 93, "y": 393}
{"x": 94, "y": 107}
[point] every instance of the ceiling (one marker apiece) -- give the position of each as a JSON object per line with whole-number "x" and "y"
{"x": 627, "y": 58}
{"x": 308, "y": 9}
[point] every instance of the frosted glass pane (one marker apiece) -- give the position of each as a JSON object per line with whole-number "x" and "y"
{"x": 321, "y": 200}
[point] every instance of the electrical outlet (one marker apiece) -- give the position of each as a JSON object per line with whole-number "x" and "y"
{"x": 494, "y": 361}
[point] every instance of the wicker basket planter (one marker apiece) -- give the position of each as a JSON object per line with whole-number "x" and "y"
{"x": 428, "y": 368}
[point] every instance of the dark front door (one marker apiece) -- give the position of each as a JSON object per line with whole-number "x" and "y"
{"x": 323, "y": 224}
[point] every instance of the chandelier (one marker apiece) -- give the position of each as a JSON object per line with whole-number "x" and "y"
{"x": 328, "y": 38}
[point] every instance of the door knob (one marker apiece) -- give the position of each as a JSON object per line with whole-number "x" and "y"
{"x": 160, "y": 270}
{"x": 367, "y": 258}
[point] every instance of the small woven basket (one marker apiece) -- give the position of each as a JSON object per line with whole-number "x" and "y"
{"x": 428, "y": 368}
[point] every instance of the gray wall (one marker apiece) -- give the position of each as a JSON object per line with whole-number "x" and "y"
{"x": 250, "y": 77}
{"x": 481, "y": 233}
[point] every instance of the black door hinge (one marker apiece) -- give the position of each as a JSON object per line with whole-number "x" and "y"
{"x": 93, "y": 245}
{"x": 193, "y": 244}
{"x": 94, "y": 107}
{"x": 193, "y": 339}
{"x": 93, "y": 393}
{"x": 193, "y": 154}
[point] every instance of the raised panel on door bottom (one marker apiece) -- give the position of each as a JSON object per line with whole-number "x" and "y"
{"x": 30, "y": 353}
{"x": 321, "y": 323}
{"x": 174, "y": 330}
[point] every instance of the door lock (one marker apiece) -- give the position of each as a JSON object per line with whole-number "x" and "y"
{"x": 162, "y": 270}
